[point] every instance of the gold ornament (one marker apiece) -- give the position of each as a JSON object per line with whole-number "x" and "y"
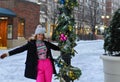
{"x": 67, "y": 1}
{"x": 71, "y": 75}
{"x": 70, "y": 28}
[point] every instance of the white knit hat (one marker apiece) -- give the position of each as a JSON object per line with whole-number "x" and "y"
{"x": 39, "y": 30}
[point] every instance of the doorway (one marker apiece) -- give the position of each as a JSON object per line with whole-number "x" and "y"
{"x": 3, "y": 33}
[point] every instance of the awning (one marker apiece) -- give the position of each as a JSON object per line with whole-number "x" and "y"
{"x": 7, "y": 12}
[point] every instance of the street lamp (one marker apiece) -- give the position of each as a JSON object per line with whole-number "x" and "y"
{"x": 96, "y": 29}
{"x": 55, "y": 0}
{"x": 39, "y": 3}
{"x": 105, "y": 19}
{"x": 105, "y": 22}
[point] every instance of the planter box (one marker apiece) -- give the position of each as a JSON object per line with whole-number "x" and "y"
{"x": 111, "y": 65}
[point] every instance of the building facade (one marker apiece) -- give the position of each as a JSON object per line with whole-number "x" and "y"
{"x": 112, "y": 6}
{"x": 92, "y": 16}
{"x": 88, "y": 18}
{"x": 14, "y": 30}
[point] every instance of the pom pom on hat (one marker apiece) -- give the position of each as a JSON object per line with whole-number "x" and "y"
{"x": 39, "y": 30}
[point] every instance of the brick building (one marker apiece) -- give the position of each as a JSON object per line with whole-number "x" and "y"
{"x": 112, "y": 6}
{"x": 18, "y": 19}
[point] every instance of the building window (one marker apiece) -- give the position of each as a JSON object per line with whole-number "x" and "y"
{"x": 21, "y": 25}
{"x": 42, "y": 0}
{"x": 10, "y": 30}
{"x": 81, "y": 0}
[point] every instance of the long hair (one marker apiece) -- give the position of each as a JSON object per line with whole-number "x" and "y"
{"x": 34, "y": 37}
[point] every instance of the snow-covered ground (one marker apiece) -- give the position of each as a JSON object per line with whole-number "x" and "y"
{"x": 87, "y": 59}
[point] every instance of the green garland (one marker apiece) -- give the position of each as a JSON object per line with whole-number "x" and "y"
{"x": 66, "y": 70}
{"x": 65, "y": 35}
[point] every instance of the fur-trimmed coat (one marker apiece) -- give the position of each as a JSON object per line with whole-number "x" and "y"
{"x": 32, "y": 57}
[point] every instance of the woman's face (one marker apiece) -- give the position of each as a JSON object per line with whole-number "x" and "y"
{"x": 40, "y": 36}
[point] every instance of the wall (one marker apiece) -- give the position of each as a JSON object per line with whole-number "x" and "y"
{"x": 24, "y": 9}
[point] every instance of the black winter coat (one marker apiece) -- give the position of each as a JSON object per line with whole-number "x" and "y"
{"x": 32, "y": 57}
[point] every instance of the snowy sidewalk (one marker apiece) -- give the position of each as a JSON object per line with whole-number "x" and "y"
{"x": 87, "y": 59}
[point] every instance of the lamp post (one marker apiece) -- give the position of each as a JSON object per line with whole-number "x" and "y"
{"x": 105, "y": 20}
{"x": 96, "y": 29}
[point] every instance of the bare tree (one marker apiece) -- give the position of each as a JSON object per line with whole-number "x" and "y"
{"x": 93, "y": 9}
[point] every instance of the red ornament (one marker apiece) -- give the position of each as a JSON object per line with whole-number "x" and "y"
{"x": 63, "y": 37}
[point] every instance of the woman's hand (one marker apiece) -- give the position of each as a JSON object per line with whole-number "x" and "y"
{"x": 4, "y": 55}
{"x": 31, "y": 38}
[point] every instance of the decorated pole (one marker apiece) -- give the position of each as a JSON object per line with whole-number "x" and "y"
{"x": 65, "y": 35}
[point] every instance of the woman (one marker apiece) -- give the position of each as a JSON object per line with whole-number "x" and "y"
{"x": 39, "y": 61}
